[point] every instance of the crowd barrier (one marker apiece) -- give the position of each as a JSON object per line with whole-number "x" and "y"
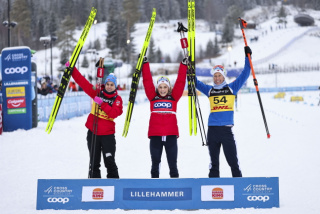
{"x": 75, "y": 104}
{"x": 280, "y": 89}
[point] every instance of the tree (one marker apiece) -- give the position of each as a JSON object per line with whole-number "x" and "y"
{"x": 228, "y": 30}
{"x": 179, "y": 57}
{"x": 52, "y": 24}
{"x": 85, "y": 62}
{"x": 65, "y": 35}
{"x": 130, "y": 14}
{"x": 158, "y": 56}
{"x": 210, "y": 49}
{"x": 96, "y": 44}
{"x": 216, "y": 49}
{"x": 22, "y": 15}
{"x": 151, "y": 51}
{"x": 282, "y": 15}
{"x": 167, "y": 59}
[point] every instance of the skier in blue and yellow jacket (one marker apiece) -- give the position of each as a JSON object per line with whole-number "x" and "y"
{"x": 221, "y": 97}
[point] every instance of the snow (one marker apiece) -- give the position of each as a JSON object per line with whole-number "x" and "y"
{"x": 290, "y": 154}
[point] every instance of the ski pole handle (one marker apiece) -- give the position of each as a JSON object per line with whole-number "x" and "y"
{"x": 243, "y": 24}
{"x": 184, "y": 41}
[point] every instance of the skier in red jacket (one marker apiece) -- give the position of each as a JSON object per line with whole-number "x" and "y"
{"x": 163, "y": 125}
{"x": 110, "y": 107}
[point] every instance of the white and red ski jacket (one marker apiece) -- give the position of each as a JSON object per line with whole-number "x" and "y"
{"x": 163, "y": 120}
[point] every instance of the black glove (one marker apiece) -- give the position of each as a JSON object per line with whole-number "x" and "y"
{"x": 145, "y": 59}
{"x": 247, "y": 50}
{"x": 97, "y": 64}
{"x": 185, "y": 61}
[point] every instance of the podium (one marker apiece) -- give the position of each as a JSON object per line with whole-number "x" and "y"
{"x": 158, "y": 194}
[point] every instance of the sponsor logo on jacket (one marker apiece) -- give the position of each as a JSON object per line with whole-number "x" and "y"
{"x": 162, "y": 105}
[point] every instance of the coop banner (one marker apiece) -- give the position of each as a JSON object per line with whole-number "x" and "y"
{"x": 16, "y": 88}
{"x": 158, "y": 194}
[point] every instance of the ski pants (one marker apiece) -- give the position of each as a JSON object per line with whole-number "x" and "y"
{"x": 171, "y": 147}
{"x": 105, "y": 144}
{"x": 222, "y": 135}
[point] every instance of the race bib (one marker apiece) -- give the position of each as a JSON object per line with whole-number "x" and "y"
{"x": 221, "y": 103}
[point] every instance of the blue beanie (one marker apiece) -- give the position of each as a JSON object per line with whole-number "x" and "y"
{"x": 111, "y": 78}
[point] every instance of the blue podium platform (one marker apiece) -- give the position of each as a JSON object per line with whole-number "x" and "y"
{"x": 158, "y": 194}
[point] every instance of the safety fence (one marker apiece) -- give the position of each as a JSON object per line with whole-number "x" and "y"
{"x": 75, "y": 104}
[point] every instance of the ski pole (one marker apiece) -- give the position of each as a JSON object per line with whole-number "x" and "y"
{"x": 184, "y": 44}
{"x": 100, "y": 73}
{"x": 243, "y": 24}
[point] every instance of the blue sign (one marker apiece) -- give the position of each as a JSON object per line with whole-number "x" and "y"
{"x": 158, "y": 194}
{"x": 16, "y": 88}
{"x": 207, "y": 72}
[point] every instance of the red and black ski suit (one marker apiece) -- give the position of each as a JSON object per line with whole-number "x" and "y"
{"x": 163, "y": 126}
{"x": 105, "y": 142}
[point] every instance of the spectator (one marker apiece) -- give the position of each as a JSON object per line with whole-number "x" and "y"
{"x": 72, "y": 86}
{"x": 44, "y": 88}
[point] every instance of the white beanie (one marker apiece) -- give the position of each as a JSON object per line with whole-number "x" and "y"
{"x": 220, "y": 69}
{"x": 163, "y": 79}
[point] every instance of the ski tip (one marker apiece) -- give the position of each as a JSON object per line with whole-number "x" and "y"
{"x": 268, "y": 135}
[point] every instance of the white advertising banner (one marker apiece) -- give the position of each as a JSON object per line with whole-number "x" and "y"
{"x": 217, "y": 193}
{"x": 97, "y": 193}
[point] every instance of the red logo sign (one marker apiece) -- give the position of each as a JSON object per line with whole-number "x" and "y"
{"x": 97, "y": 194}
{"x": 217, "y": 193}
{"x": 16, "y": 103}
{"x": 100, "y": 72}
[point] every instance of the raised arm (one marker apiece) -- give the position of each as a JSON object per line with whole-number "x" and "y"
{"x": 148, "y": 82}
{"x": 84, "y": 83}
{"x": 178, "y": 88}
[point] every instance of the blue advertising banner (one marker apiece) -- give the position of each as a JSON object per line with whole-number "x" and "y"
{"x": 158, "y": 194}
{"x": 207, "y": 72}
{"x": 16, "y": 88}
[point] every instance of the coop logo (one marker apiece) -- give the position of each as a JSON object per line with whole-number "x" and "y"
{"x": 97, "y": 194}
{"x": 217, "y": 193}
{"x": 8, "y": 58}
{"x": 58, "y": 200}
{"x": 18, "y": 70}
{"x": 16, "y": 103}
{"x": 158, "y": 105}
{"x": 258, "y": 198}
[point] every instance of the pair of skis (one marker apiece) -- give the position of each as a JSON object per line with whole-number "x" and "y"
{"x": 188, "y": 46}
{"x": 136, "y": 75}
{"x": 68, "y": 71}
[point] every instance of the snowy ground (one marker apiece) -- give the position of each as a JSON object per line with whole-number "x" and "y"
{"x": 289, "y": 154}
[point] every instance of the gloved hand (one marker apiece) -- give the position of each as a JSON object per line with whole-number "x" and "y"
{"x": 67, "y": 64}
{"x": 247, "y": 50}
{"x": 145, "y": 59}
{"x": 97, "y": 64}
{"x": 185, "y": 61}
{"x": 98, "y": 100}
